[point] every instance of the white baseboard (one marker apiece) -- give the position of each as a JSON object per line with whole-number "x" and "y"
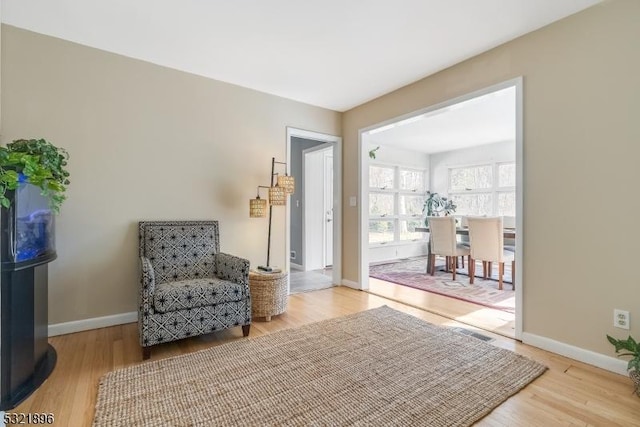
{"x": 587, "y": 356}
{"x": 295, "y": 266}
{"x": 351, "y": 284}
{"x": 93, "y": 323}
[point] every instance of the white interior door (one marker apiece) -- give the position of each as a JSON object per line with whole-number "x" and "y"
{"x": 314, "y": 212}
{"x": 328, "y": 207}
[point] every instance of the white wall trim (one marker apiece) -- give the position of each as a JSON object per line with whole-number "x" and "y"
{"x": 351, "y": 284}
{"x": 518, "y": 83}
{"x": 295, "y": 266}
{"x": 587, "y": 356}
{"x": 93, "y": 323}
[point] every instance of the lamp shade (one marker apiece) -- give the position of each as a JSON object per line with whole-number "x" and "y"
{"x": 277, "y": 195}
{"x": 257, "y": 208}
{"x": 287, "y": 182}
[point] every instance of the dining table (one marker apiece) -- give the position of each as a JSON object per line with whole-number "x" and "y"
{"x": 508, "y": 233}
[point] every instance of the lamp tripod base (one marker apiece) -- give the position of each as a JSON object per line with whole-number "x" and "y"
{"x": 267, "y": 269}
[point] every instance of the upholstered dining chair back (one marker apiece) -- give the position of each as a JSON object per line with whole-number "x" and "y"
{"x": 442, "y": 231}
{"x": 180, "y": 250}
{"x": 509, "y": 221}
{"x": 486, "y": 238}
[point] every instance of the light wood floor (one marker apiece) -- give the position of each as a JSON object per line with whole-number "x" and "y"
{"x": 498, "y": 321}
{"x": 569, "y": 393}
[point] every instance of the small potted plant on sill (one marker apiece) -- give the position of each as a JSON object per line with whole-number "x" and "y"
{"x": 37, "y": 162}
{"x": 633, "y": 349}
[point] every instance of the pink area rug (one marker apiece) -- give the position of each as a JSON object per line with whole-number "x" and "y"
{"x": 483, "y": 292}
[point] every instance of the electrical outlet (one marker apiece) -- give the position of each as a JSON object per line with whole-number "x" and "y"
{"x": 621, "y": 319}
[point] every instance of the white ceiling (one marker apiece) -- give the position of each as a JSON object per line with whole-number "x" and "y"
{"x": 335, "y": 54}
{"x": 482, "y": 120}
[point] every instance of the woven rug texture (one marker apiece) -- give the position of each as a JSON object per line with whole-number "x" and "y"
{"x": 379, "y": 367}
{"x": 483, "y": 292}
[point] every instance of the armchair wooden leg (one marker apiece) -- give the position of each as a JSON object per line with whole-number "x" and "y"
{"x": 245, "y": 330}
{"x": 146, "y": 353}
{"x": 484, "y": 269}
{"x": 454, "y": 262}
{"x": 472, "y": 269}
{"x": 500, "y": 274}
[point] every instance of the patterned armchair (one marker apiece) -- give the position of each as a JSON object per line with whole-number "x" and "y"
{"x": 187, "y": 286}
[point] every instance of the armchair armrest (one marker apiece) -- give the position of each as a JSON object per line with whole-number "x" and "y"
{"x": 145, "y": 302}
{"x": 147, "y": 281}
{"x": 230, "y": 267}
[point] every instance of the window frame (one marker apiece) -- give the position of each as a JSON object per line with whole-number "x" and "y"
{"x": 494, "y": 191}
{"x": 396, "y": 217}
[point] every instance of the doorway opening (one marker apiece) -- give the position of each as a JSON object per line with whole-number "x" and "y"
{"x": 313, "y": 238}
{"x": 468, "y": 150}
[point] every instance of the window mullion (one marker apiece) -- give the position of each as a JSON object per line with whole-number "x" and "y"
{"x": 396, "y": 204}
{"x": 494, "y": 197}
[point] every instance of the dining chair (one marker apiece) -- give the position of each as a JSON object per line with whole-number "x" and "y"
{"x": 509, "y": 222}
{"x": 487, "y": 245}
{"x": 444, "y": 243}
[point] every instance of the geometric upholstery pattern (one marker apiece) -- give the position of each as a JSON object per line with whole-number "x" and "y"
{"x": 192, "y": 293}
{"x": 187, "y": 286}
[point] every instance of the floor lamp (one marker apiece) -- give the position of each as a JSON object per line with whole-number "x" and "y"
{"x": 281, "y": 186}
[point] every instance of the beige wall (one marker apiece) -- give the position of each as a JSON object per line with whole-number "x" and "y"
{"x": 146, "y": 142}
{"x": 581, "y": 153}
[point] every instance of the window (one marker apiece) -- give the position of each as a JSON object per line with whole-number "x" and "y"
{"x": 411, "y": 180}
{"x": 507, "y": 189}
{"x": 396, "y": 196}
{"x": 381, "y": 177}
{"x": 471, "y": 178}
{"x": 484, "y": 189}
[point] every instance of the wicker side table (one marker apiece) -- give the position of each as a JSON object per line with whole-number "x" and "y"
{"x": 268, "y": 293}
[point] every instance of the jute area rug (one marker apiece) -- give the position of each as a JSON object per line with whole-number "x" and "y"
{"x": 379, "y": 367}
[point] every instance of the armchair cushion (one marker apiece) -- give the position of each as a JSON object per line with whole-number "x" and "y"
{"x": 192, "y": 293}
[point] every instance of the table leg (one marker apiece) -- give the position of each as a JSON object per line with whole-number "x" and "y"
{"x": 428, "y": 270}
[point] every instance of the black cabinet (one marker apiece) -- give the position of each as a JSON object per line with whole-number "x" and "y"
{"x": 26, "y": 357}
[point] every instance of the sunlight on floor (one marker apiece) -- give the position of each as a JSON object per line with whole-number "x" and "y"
{"x": 497, "y": 321}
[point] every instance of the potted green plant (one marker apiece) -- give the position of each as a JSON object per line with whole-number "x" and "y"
{"x": 435, "y": 204}
{"x": 633, "y": 350}
{"x": 38, "y": 162}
